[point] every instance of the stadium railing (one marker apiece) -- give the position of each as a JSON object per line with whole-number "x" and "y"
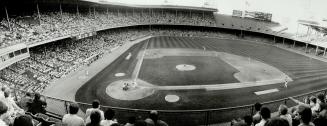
{"x": 58, "y": 107}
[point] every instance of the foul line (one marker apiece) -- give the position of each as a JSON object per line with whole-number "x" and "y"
{"x": 139, "y": 63}
{"x": 266, "y": 91}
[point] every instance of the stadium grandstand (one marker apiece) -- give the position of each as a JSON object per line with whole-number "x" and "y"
{"x": 89, "y": 62}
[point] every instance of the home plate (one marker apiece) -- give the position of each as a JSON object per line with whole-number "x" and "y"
{"x": 266, "y": 91}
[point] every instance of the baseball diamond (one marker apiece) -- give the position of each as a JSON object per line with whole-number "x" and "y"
{"x": 219, "y": 72}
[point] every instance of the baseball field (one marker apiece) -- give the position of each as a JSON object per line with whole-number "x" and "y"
{"x": 212, "y": 73}
{"x": 188, "y": 73}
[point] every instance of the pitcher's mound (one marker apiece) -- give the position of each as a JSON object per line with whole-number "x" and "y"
{"x": 185, "y": 67}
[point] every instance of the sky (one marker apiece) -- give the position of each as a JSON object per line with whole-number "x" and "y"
{"x": 286, "y": 12}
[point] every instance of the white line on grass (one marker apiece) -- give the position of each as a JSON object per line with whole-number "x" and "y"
{"x": 139, "y": 64}
{"x": 266, "y": 91}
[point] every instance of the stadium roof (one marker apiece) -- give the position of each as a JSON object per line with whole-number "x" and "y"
{"x": 153, "y": 6}
{"x": 105, "y": 3}
{"x": 308, "y": 22}
{"x": 319, "y": 28}
{"x": 314, "y": 25}
{"x": 279, "y": 29}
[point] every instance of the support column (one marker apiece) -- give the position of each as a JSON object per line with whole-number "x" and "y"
{"x": 133, "y": 12}
{"x": 126, "y": 12}
{"x": 324, "y": 51}
{"x": 317, "y": 50}
{"x": 7, "y": 16}
{"x": 162, "y": 12}
{"x": 274, "y": 39}
{"x": 94, "y": 12}
{"x": 90, "y": 11}
{"x": 202, "y": 14}
{"x": 294, "y": 44}
{"x": 107, "y": 13}
{"x": 60, "y": 9}
{"x": 306, "y": 46}
{"x": 283, "y": 41}
{"x": 77, "y": 10}
{"x": 38, "y": 12}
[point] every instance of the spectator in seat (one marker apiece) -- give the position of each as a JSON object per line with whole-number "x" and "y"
{"x": 140, "y": 123}
{"x": 109, "y": 118}
{"x": 23, "y": 120}
{"x": 2, "y": 95}
{"x": 277, "y": 122}
{"x": 72, "y": 119}
{"x": 295, "y": 117}
{"x": 283, "y": 113}
{"x": 38, "y": 105}
{"x": 314, "y": 105}
{"x": 26, "y": 101}
{"x": 95, "y": 118}
{"x": 131, "y": 121}
{"x": 320, "y": 101}
{"x": 257, "y": 117}
{"x": 321, "y": 120}
{"x": 115, "y": 124}
{"x": 13, "y": 108}
{"x": 265, "y": 115}
{"x": 305, "y": 115}
{"x": 95, "y": 107}
{"x": 247, "y": 121}
{"x": 321, "y": 98}
{"x": 153, "y": 120}
{"x": 3, "y": 111}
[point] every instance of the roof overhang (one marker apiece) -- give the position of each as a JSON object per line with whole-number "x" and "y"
{"x": 179, "y": 7}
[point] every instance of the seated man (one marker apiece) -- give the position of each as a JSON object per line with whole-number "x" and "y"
{"x": 3, "y": 111}
{"x": 72, "y": 119}
{"x": 95, "y": 107}
{"x": 37, "y": 105}
{"x": 154, "y": 120}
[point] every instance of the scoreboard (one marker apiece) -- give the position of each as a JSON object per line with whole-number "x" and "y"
{"x": 237, "y": 13}
{"x": 258, "y": 15}
{"x": 254, "y": 15}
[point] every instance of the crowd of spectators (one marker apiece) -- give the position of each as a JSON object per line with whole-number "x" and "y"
{"x": 55, "y": 60}
{"x": 52, "y": 25}
{"x": 31, "y": 112}
{"x": 310, "y": 112}
{"x": 18, "y": 113}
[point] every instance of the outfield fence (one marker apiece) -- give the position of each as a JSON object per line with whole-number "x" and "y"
{"x": 59, "y": 107}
